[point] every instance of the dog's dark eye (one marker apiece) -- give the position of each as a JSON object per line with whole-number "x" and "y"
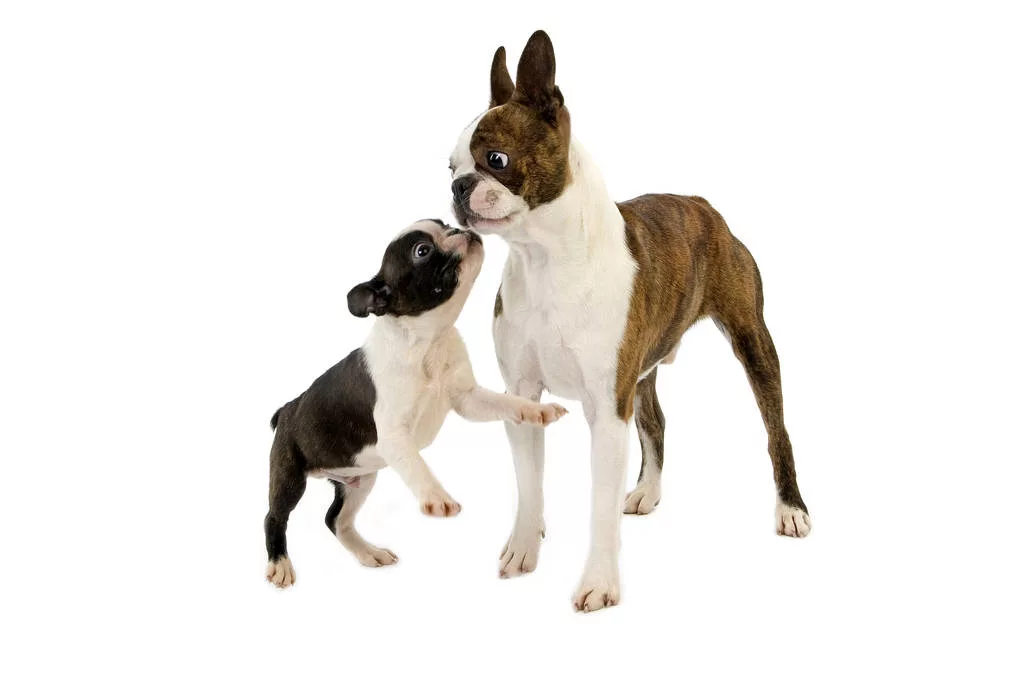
{"x": 421, "y": 251}
{"x": 497, "y": 160}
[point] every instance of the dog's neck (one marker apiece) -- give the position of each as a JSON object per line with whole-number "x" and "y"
{"x": 572, "y": 236}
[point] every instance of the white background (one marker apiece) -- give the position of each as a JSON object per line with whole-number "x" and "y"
{"x": 188, "y": 190}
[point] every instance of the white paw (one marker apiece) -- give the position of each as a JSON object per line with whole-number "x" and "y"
{"x": 597, "y": 590}
{"x": 372, "y": 556}
{"x": 281, "y": 573}
{"x": 519, "y": 556}
{"x": 643, "y": 499}
{"x": 541, "y": 414}
{"x": 437, "y": 503}
{"x": 791, "y": 521}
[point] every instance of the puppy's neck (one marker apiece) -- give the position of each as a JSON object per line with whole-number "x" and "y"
{"x": 410, "y": 331}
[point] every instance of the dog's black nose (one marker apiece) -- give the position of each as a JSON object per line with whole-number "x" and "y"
{"x": 461, "y": 189}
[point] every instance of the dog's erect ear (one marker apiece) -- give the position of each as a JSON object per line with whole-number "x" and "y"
{"x": 535, "y": 76}
{"x": 367, "y": 298}
{"x": 502, "y": 86}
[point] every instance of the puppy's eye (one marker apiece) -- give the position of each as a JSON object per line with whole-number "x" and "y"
{"x": 422, "y": 251}
{"x": 497, "y": 160}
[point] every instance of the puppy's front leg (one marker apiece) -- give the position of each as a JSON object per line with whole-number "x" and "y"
{"x": 399, "y": 452}
{"x": 482, "y": 405}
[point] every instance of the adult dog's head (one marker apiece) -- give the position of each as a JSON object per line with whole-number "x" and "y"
{"x": 514, "y": 157}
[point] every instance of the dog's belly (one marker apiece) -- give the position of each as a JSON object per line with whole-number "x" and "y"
{"x": 366, "y": 462}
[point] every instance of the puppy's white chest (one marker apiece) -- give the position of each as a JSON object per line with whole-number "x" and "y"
{"x": 429, "y": 409}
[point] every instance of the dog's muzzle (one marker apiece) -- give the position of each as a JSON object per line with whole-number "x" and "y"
{"x": 462, "y": 188}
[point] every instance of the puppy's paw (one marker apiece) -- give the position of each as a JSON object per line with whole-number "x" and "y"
{"x": 643, "y": 499}
{"x": 791, "y": 521}
{"x": 372, "y": 556}
{"x": 280, "y": 572}
{"x": 540, "y": 414}
{"x": 597, "y": 590}
{"x": 437, "y": 503}
{"x": 519, "y": 556}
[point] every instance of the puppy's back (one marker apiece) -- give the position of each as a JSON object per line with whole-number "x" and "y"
{"x": 332, "y": 420}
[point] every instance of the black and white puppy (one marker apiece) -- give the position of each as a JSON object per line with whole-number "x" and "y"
{"x": 387, "y": 399}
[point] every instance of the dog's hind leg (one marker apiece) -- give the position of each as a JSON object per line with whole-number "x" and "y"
{"x": 739, "y": 315}
{"x": 287, "y": 484}
{"x": 650, "y": 426}
{"x": 341, "y": 517}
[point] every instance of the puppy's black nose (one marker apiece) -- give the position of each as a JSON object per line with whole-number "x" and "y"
{"x": 461, "y": 189}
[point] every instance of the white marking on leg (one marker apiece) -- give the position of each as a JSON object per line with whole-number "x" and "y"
{"x": 521, "y": 551}
{"x": 791, "y": 521}
{"x": 645, "y": 497}
{"x": 280, "y": 572}
{"x": 599, "y": 586}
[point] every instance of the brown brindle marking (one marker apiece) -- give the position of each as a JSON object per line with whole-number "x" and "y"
{"x": 529, "y": 122}
{"x": 690, "y": 266}
{"x": 650, "y": 423}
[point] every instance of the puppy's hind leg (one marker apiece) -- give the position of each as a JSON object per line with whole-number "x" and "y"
{"x": 348, "y": 499}
{"x": 650, "y": 426}
{"x": 287, "y": 484}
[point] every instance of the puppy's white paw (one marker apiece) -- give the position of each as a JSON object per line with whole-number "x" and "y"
{"x": 791, "y": 521}
{"x": 372, "y": 556}
{"x": 437, "y": 503}
{"x": 643, "y": 499}
{"x": 280, "y": 572}
{"x": 519, "y": 556}
{"x": 597, "y": 590}
{"x": 540, "y": 414}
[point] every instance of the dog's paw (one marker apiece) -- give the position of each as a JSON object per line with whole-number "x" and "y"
{"x": 437, "y": 503}
{"x": 597, "y": 590}
{"x": 540, "y": 414}
{"x": 519, "y": 556}
{"x": 791, "y": 521}
{"x": 643, "y": 499}
{"x": 280, "y": 572}
{"x": 372, "y": 556}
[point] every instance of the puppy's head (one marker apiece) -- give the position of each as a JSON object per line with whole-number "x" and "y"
{"x": 427, "y": 270}
{"x": 513, "y": 158}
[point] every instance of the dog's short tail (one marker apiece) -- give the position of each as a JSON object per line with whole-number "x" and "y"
{"x": 273, "y": 418}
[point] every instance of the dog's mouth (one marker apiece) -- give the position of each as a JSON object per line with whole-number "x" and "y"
{"x": 478, "y": 222}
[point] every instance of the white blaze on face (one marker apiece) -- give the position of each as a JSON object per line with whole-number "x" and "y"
{"x": 490, "y": 199}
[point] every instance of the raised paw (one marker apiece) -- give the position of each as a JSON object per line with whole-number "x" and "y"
{"x": 791, "y": 521}
{"x": 541, "y": 414}
{"x": 596, "y": 591}
{"x": 372, "y": 556}
{"x": 280, "y": 572}
{"x": 519, "y": 556}
{"x": 437, "y": 503}
{"x": 642, "y": 500}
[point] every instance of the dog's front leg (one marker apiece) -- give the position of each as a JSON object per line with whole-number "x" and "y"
{"x": 599, "y": 586}
{"x": 399, "y": 452}
{"x": 519, "y": 556}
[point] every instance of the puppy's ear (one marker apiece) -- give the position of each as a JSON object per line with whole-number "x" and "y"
{"x": 535, "y": 76}
{"x": 502, "y": 86}
{"x": 368, "y": 298}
